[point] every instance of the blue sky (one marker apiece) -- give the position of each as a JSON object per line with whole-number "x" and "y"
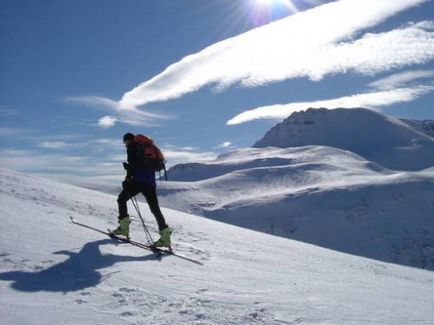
{"x": 200, "y": 77}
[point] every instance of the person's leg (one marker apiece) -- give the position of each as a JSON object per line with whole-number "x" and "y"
{"x": 122, "y": 203}
{"x": 129, "y": 190}
{"x": 150, "y": 194}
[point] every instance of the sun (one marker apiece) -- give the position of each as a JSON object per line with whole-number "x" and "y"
{"x": 270, "y": 3}
{"x": 263, "y": 12}
{"x": 265, "y": 2}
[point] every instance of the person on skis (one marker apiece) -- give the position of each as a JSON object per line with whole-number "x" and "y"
{"x": 140, "y": 178}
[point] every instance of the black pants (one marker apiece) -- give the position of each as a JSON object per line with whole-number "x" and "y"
{"x": 132, "y": 188}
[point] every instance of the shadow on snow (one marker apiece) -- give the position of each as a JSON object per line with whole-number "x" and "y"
{"x": 78, "y": 272}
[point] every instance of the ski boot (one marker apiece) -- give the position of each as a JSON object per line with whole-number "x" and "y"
{"x": 123, "y": 229}
{"x": 164, "y": 240}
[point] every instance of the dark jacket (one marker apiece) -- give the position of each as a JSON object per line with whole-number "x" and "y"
{"x": 137, "y": 169}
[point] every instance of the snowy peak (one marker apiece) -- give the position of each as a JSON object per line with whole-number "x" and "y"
{"x": 386, "y": 140}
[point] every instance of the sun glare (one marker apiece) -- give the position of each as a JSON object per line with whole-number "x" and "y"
{"x": 265, "y": 11}
{"x": 265, "y": 2}
{"x": 269, "y": 3}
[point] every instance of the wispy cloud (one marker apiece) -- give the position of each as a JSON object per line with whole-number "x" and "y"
{"x": 67, "y": 157}
{"x": 96, "y": 101}
{"x": 72, "y": 141}
{"x": 29, "y": 160}
{"x": 53, "y": 144}
{"x": 110, "y": 142}
{"x": 369, "y": 100}
{"x": 59, "y": 165}
{"x": 87, "y": 158}
{"x": 131, "y": 116}
{"x": 303, "y": 45}
{"x": 401, "y": 79}
{"x": 11, "y": 131}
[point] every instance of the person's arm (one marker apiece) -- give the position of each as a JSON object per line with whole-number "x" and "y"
{"x": 131, "y": 149}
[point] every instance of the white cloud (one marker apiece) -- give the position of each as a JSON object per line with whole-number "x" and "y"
{"x": 224, "y": 145}
{"x": 401, "y": 79}
{"x": 130, "y": 116}
{"x": 312, "y": 44}
{"x": 374, "y": 53}
{"x": 106, "y": 121}
{"x": 369, "y": 100}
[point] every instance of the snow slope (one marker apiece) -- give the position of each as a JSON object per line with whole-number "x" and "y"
{"x": 269, "y": 157}
{"x": 53, "y": 272}
{"x": 383, "y": 139}
{"x": 319, "y": 195}
{"x": 425, "y": 126}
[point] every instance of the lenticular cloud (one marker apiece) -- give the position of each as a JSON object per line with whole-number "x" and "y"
{"x": 369, "y": 100}
{"x": 312, "y": 44}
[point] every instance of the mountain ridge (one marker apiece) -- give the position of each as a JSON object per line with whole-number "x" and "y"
{"x": 388, "y": 141}
{"x": 353, "y": 168}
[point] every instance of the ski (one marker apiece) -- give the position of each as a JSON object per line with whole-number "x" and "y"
{"x": 155, "y": 250}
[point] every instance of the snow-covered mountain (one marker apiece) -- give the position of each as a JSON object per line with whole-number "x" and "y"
{"x": 320, "y": 195}
{"x": 340, "y": 196}
{"x": 425, "y": 126}
{"x": 53, "y": 272}
{"x": 379, "y": 138}
{"x": 253, "y": 158}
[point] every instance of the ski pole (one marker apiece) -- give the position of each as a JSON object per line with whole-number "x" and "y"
{"x": 147, "y": 233}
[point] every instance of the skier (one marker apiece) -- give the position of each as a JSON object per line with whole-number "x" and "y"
{"x": 140, "y": 179}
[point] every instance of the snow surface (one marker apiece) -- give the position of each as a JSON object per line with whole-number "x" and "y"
{"x": 316, "y": 194}
{"x": 54, "y": 272}
{"x": 386, "y": 140}
{"x": 424, "y": 126}
{"x": 325, "y": 195}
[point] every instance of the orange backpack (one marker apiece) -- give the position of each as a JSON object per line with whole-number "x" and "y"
{"x": 153, "y": 156}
